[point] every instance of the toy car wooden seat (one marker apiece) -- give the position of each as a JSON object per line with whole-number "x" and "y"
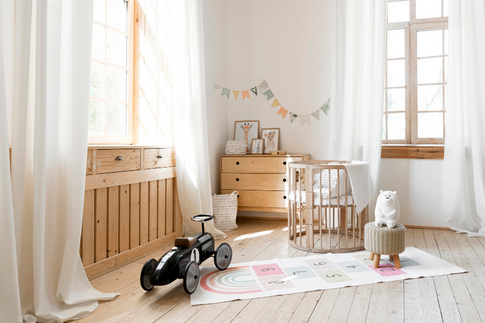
{"x": 183, "y": 260}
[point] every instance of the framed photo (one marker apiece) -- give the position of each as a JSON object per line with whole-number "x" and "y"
{"x": 271, "y": 138}
{"x": 246, "y": 130}
{"x": 257, "y": 146}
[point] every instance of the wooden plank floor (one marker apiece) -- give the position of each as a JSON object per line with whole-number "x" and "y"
{"x": 454, "y": 298}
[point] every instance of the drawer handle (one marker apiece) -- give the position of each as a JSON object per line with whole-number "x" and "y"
{"x": 119, "y": 158}
{"x": 284, "y": 163}
{"x": 284, "y": 179}
{"x": 159, "y": 156}
{"x": 237, "y": 163}
{"x": 284, "y": 197}
{"x": 237, "y": 179}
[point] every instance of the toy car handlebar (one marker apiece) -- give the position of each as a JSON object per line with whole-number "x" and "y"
{"x": 202, "y": 218}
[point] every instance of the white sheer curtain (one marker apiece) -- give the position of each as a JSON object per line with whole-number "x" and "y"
{"x": 358, "y": 87}
{"x": 44, "y": 85}
{"x": 464, "y": 170}
{"x": 190, "y": 118}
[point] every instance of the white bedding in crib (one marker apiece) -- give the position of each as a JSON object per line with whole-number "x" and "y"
{"x": 316, "y": 199}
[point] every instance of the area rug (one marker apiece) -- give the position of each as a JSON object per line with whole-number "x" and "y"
{"x": 323, "y": 271}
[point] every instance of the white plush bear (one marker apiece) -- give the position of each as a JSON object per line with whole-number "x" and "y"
{"x": 387, "y": 209}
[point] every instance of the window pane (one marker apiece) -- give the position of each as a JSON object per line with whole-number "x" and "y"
{"x": 116, "y": 48}
{"x": 430, "y": 97}
{"x": 98, "y": 42}
{"x": 397, "y": 126}
{"x": 116, "y": 119}
{"x": 115, "y": 84}
{"x": 395, "y": 43}
{"x": 395, "y": 73}
{"x": 117, "y": 14}
{"x": 99, "y": 10}
{"x": 446, "y": 41}
{"x": 383, "y": 127}
{"x": 428, "y": 9}
{"x": 97, "y": 80}
{"x": 96, "y": 117}
{"x": 430, "y": 43}
{"x": 398, "y": 11}
{"x": 430, "y": 125}
{"x": 396, "y": 99}
{"x": 430, "y": 70}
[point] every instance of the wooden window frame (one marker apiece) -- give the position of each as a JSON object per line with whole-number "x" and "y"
{"x": 413, "y": 146}
{"x": 129, "y": 137}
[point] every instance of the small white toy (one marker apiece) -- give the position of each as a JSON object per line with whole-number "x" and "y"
{"x": 387, "y": 209}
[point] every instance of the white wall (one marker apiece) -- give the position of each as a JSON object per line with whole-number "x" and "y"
{"x": 288, "y": 43}
{"x": 216, "y": 64}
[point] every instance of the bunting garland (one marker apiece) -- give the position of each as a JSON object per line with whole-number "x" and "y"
{"x": 264, "y": 88}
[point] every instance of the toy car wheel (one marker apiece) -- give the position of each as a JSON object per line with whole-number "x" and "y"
{"x": 192, "y": 277}
{"x": 146, "y": 272}
{"x": 223, "y": 256}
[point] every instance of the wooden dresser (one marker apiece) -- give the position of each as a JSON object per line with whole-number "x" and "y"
{"x": 130, "y": 205}
{"x": 261, "y": 180}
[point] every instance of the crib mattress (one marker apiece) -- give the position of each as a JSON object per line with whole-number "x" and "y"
{"x": 316, "y": 199}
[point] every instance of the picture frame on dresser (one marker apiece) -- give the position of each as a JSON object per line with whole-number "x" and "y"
{"x": 271, "y": 137}
{"x": 246, "y": 130}
{"x": 257, "y": 146}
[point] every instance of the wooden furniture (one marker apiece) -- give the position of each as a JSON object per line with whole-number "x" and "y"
{"x": 261, "y": 180}
{"x": 130, "y": 205}
{"x": 385, "y": 241}
{"x": 327, "y": 218}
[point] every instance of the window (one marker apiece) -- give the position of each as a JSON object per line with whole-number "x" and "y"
{"x": 416, "y": 75}
{"x": 111, "y": 96}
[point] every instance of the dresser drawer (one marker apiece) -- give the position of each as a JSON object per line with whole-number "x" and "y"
{"x": 118, "y": 160}
{"x": 89, "y": 162}
{"x": 260, "y": 198}
{"x": 155, "y": 158}
{"x": 256, "y": 165}
{"x": 254, "y": 182}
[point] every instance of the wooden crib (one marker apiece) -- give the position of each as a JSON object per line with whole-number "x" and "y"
{"x": 320, "y": 224}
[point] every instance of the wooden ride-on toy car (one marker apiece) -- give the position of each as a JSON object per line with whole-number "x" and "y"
{"x": 183, "y": 260}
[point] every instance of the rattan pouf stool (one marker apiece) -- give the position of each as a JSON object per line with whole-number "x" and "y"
{"x": 385, "y": 241}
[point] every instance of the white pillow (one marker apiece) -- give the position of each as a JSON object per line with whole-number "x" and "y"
{"x": 333, "y": 182}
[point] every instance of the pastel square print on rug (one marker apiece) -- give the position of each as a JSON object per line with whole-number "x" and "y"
{"x": 266, "y": 278}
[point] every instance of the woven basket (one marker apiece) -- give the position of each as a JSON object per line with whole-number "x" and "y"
{"x": 224, "y": 207}
{"x": 236, "y": 147}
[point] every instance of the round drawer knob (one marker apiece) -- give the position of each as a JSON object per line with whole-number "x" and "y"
{"x": 159, "y": 156}
{"x": 237, "y": 163}
{"x": 238, "y": 196}
{"x": 237, "y": 179}
{"x": 284, "y": 163}
{"x": 284, "y": 197}
{"x": 284, "y": 179}
{"x": 119, "y": 158}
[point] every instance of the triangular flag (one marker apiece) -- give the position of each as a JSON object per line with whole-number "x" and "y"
{"x": 236, "y": 94}
{"x": 275, "y": 103}
{"x": 225, "y": 92}
{"x": 263, "y": 85}
{"x": 293, "y": 117}
{"x": 316, "y": 114}
{"x": 215, "y": 86}
{"x": 326, "y": 107}
{"x": 283, "y": 112}
{"x": 245, "y": 94}
{"x": 255, "y": 90}
{"x": 304, "y": 119}
{"x": 269, "y": 95}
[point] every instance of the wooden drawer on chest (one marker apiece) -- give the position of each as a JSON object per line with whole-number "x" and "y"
{"x": 260, "y": 198}
{"x": 155, "y": 158}
{"x": 256, "y": 165}
{"x": 117, "y": 160}
{"x": 255, "y": 182}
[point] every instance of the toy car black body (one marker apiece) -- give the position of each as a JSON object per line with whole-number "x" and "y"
{"x": 183, "y": 260}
